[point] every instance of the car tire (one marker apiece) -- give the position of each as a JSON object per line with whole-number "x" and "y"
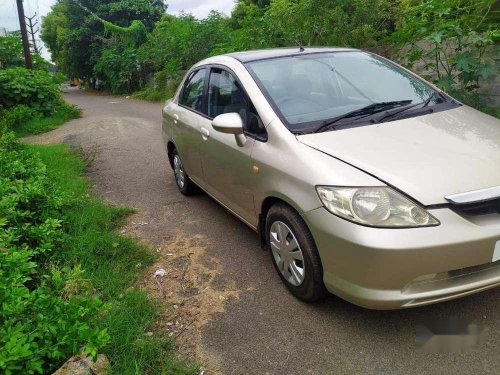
{"x": 284, "y": 221}
{"x": 182, "y": 180}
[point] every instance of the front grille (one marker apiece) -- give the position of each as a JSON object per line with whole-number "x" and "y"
{"x": 481, "y": 208}
{"x": 473, "y": 269}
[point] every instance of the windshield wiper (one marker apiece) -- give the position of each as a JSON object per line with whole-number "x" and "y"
{"x": 363, "y": 112}
{"x": 423, "y": 104}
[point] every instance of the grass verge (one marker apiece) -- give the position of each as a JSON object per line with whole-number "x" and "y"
{"x": 112, "y": 264}
{"x": 38, "y": 124}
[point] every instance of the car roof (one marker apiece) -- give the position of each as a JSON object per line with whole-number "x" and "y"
{"x": 264, "y": 54}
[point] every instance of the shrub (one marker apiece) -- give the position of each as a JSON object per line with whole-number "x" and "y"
{"x": 450, "y": 41}
{"x": 9, "y": 119}
{"x": 25, "y": 121}
{"x": 11, "y": 52}
{"x": 35, "y": 88}
{"x": 43, "y": 318}
{"x": 164, "y": 86}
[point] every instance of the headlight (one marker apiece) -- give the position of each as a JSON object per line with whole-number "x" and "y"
{"x": 374, "y": 206}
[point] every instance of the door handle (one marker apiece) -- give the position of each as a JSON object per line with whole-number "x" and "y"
{"x": 204, "y": 133}
{"x": 176, "y": 119}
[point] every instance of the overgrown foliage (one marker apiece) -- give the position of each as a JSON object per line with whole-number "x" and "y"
{"x": 75, "y": 35}
{"x": 66, "y": 275}
{"x": 29, "y": 99}
{"x": 34, "y": 88}
{"x": 450, "y": 41}
{"x": 11, "y": 52}
{"x": 48, "y": 311}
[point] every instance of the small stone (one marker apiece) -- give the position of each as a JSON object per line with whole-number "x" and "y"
{"x": 176, "y": 307}
{"x": 160, "y": 272}
{"x": 83, "y": 365}
{"x": 149, "y": 334}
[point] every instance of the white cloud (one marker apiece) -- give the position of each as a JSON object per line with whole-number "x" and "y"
{"x": 200, "y": 8}
{"x": 10, "y": 20}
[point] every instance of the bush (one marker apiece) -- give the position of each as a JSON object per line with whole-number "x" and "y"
{"x": 11, "y": 52}
{"x": 164, "y": 87}
{"x": 35, "y": 88}
{"x": 24, "y": 121}
{"x": 43, "y": 318}
{"x": 9, "y": 119}
{"x": 449, "y": 42}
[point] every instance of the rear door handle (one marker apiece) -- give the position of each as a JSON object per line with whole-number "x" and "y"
{"x": 204, "y": 133}
{"x": 176, "y": 119}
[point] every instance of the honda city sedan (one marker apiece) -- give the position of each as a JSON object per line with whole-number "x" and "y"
{"x": 361, "y": 178}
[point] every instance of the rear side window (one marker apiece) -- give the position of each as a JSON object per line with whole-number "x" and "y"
{"x": 192, "y": 94}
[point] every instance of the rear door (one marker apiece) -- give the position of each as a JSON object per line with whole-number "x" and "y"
{"x": 188, "y": 121}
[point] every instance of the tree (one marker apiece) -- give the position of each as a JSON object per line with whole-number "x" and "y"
{"x": 75, "y": 35}
{"x": 350, "y": 23}
{"x": 450, "y": 39}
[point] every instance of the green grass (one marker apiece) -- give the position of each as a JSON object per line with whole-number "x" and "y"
{"x": 39, "y": 125}
{"x": 112, "y": 263}
{"x": 155, "y": 94}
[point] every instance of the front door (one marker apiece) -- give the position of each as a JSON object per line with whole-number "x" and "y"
{"x": 226, "y": 160}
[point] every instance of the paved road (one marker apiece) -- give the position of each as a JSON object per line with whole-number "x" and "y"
{"x": 265, "y": 330}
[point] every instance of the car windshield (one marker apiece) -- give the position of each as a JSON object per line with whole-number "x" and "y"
{"x": 311, "y": 89}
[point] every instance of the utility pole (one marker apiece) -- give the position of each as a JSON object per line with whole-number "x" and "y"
{"x": 32, "y": 32}
{"x": 24, "y": 34}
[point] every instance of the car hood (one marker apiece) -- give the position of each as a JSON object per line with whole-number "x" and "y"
{"x": 427, "y": 157}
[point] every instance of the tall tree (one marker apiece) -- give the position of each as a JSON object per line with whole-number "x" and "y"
{"x": 74, "y": 33}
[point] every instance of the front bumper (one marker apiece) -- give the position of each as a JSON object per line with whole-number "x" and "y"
{"x": 397, "y": 268}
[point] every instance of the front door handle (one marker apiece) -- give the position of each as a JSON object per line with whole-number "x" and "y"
{"x": 176, "y": 119}
{"x": 204, "y": 133}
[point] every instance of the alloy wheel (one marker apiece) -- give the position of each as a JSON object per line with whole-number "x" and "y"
{"x": 180, "y": 177}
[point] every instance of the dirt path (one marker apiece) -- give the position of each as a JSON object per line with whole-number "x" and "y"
{"x": 221, "y": 297}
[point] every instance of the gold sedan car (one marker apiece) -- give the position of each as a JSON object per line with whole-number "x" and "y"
{"x": 361, "y": 178}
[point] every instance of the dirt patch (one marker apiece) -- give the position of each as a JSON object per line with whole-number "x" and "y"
{"x": 190, "y": 290}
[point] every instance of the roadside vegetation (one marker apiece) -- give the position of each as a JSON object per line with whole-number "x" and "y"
{"x": 30, "y": 101}
{"x": 67, "y": 277}
{"x": 451, "y": 42}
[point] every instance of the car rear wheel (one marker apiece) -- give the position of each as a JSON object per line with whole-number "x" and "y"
{"x": 184, "y": 183}
{"x": 294, "y": 253}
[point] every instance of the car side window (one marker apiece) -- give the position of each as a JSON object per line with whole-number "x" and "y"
{"x": 254, "y": 125}
{"x": 226, "y": 96}
{"x": 192, "y": 94}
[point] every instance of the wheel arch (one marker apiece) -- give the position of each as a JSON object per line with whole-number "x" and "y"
{"x": 265, "y": 205}
{"x": 170, "y": 152}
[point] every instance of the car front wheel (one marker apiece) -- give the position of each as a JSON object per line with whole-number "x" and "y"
{"x": 294, "y": 253}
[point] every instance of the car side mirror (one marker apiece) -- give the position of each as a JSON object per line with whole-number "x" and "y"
{"x": 229, "y": 123}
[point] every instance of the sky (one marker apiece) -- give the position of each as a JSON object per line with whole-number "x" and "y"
{"x": 198, "y": 8}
